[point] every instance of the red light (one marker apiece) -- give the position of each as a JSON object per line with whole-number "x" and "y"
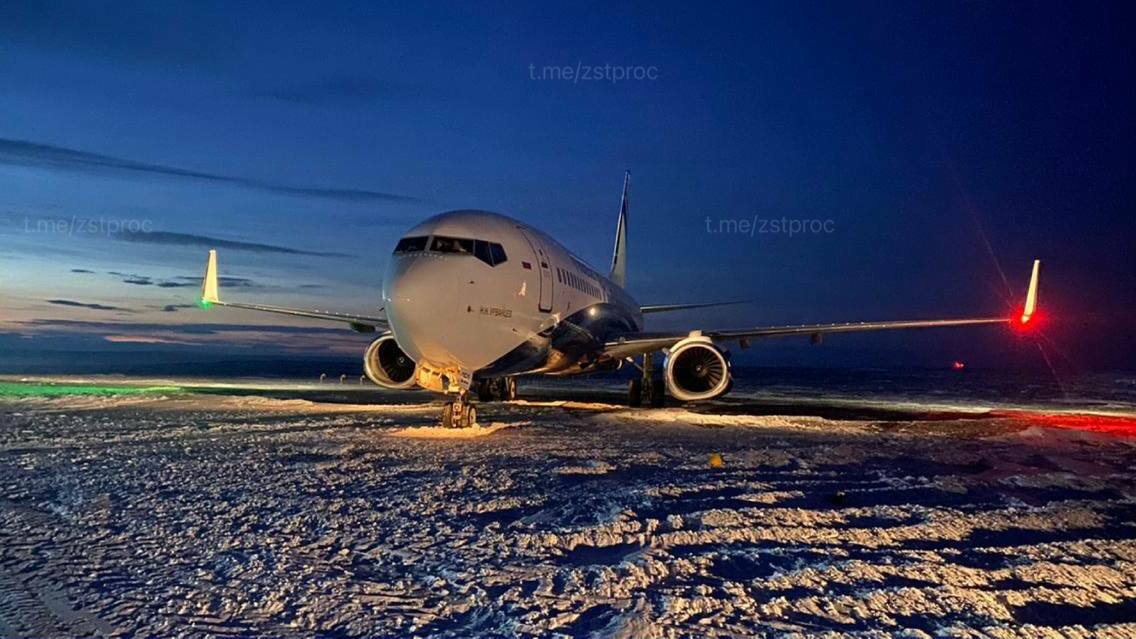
{"x": 1022, "y": 323}
{"x": 957, "y": 365}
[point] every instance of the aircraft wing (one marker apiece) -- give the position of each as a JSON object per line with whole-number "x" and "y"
{"x": 210, "y": 297}
{"x": 637, "y": 343}
{"x": 666, "y": 308}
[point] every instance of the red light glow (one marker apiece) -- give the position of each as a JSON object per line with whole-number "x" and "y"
{"x": 957, "y": 365}
{"x": 1115, "y": 425}
{"x": 1022, "y": 322}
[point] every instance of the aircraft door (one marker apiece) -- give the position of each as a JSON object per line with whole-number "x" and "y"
{"x": 544, "y": 266}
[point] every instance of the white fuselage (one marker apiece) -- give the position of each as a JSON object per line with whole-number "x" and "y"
{"x": 478, "y": 293}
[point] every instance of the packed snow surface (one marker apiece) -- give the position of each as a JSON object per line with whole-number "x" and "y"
{"x": 284, "y": 513}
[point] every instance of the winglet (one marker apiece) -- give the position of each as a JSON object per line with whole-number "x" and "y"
{"x": 1031, "y": 295}
{"x": 209, "y": 284}
{"x": 619, "y": 255}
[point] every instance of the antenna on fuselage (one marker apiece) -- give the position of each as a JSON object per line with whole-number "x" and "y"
{"x": 619, "y": 254}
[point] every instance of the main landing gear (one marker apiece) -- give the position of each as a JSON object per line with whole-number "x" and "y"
{"x": 650, "y": 386}
{"x": 497, "y": 389}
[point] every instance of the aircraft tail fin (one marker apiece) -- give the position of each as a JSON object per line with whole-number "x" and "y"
{"x": 619, "y": 254}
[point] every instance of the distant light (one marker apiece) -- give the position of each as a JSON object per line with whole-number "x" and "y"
{"x": 592, "y": 311}
{"x": 957, "y": 365}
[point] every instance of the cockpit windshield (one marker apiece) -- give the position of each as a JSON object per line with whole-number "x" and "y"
{"x": 491, "y": 253}
{"x": 411, "y": 244}
{"x": 451, "y": 245}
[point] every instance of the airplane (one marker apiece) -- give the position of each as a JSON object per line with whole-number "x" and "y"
{"x": 472, "y": 299}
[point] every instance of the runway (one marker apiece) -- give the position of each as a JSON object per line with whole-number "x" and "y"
{"x": 253, "y": 509}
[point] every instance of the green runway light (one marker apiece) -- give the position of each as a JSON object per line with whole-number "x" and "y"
{"x": 204, "y": 303}
{"x": 35, "y": 389}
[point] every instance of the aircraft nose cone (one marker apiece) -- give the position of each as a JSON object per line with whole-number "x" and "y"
{"x": 434, "y": 306}
{"x": 424, "y": 303}
{"x": 406, "y": 299}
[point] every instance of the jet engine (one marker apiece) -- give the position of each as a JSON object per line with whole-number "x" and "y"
{"x": 697, "y": 369}
{"x": 386, "y": 365}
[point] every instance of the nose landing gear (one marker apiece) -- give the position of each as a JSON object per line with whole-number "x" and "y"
{"x": 459, "y": 413}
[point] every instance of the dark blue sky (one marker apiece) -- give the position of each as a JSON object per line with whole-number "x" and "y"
{"x": 311, "y": 136}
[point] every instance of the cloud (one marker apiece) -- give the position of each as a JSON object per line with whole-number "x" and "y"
{"x": 94, "y": 307}
{"x": 186, "y": 281}
{"x": 181, "y": 35}
{"x": 144, "y": 339}
{"x": 25, "y": 153}
{"x": 81, "y": 270}
{"x": 205, "y": 241}
{"x": 252, "y": 340}
{"x": 81, "y": 326}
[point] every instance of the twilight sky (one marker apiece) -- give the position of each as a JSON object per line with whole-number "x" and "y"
{"x": 939, "y": 140}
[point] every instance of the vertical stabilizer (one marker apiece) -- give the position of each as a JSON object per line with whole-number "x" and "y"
{"x": 619, "y": 255}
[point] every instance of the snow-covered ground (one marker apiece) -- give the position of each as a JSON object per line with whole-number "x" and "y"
{"x": 290, "y": 512}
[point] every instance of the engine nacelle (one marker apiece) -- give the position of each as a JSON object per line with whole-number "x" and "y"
{"x": 386, "y": 365}
{"x": 697, "y": 369}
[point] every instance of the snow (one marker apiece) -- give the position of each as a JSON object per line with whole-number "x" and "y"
{"x": 437, "y": 432}
{"x": 287, "y": 514}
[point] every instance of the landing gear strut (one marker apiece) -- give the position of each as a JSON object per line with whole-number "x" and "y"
{"x": 650, "y": 386}
{"x": 459, "y": 413}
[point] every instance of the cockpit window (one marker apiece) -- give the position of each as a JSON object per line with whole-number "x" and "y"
{"x": 411, "y": 244}
{"x": 491, "y": 253}
{"x": 481, "y": 250}
{"x": 498, "y": 253}
{"x": 451, "y": 245}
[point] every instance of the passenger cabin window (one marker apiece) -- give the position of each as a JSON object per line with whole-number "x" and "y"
{"x": 411, "y": 244}
{"x": 579, "y": 282}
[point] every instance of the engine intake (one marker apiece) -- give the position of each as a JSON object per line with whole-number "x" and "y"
{"x": 386, "y": 365}
{"x": 697, "y": 369}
